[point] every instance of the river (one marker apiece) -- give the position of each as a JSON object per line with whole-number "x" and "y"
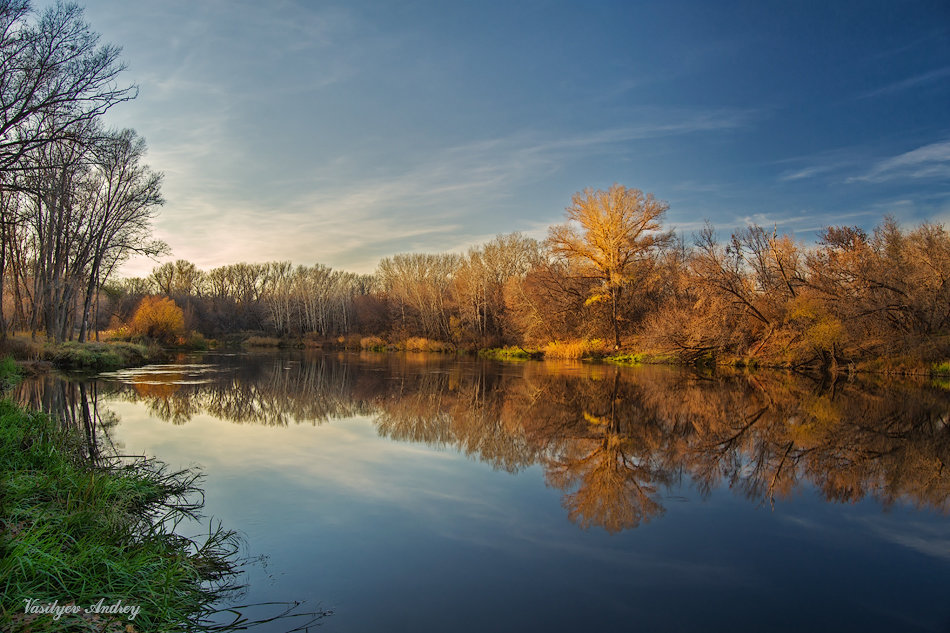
{"x": 431, "y": 493}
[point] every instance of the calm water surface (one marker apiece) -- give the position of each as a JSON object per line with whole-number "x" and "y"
{"x": 424, "y": 493}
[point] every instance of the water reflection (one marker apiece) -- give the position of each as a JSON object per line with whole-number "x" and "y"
{"x": 615, "y": 441}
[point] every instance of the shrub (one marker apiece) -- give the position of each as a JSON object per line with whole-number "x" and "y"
{"x": 421, "y": 344}
{"x": 641, "y": 358}
{"x": 942, "y": 369}
{"x": 373, "y": 343}
{"x": 352, "y": 341}
{"x": 158, "y": 318}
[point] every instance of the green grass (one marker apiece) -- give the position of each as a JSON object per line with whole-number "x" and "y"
{"x": 10, "y": 373}
{"x": 639, "y": 358}
{"x": 510, "y": 353}
{"x": 941, "y": 369}
{"x": 100, "y": 356}
{"x": 74, "y": 531}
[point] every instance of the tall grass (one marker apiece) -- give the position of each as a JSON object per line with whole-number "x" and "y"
{"x": 76, "y": 532}
{"x": 573, "y": 350}
{"x": 421, "y": 344}
{"x": 10, "y": 373}
{"x": 263, "y": 341}
{"x": 510, "y": 353}
{"x": 373, "y": 344}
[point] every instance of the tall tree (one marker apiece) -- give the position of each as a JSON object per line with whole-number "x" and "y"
{"x": 54, "y": 76}
{"x": 608, "y": 236}
{"x": 123, "y": 195}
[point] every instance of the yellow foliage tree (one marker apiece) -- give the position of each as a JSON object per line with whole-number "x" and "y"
{"x": 158, "y": 318}
{"x": 608, "y": 234}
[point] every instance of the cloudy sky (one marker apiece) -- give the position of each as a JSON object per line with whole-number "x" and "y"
{"x": 343, "y": 132}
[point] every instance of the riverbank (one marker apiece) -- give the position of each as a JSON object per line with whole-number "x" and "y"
{"x": 91, "y": 546}
{"x": 38, "y": 356}
{"x": 598, "y": 350}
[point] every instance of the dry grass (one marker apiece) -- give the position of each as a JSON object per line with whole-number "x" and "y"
{"x": 421, "y": 344}
{"x": 573, "y": 350}
{"x": 373, "y": 343}
{"x": 262, "y": 341}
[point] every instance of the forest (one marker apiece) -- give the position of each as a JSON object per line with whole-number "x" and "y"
{"x": 610, "y": 280}
{"x": 77, "y": 199}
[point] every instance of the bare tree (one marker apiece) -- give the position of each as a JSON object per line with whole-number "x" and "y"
{"x": 54, "y": 77}
{"x": 420, "y": 285}
{"x": 124, "y": 195}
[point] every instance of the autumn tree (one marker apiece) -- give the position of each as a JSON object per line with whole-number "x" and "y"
{"x": 608, "y": 237}
{"x": 75, "y": 200}
{"x": 158, "y": 318}
{"x": 419, "y": 285}
{"x": 481, "y": 279}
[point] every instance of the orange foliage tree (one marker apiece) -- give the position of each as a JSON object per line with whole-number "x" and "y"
{"x": 158, "y": 318}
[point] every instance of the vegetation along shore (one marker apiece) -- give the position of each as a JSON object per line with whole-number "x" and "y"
{"x": 77, "y": 528}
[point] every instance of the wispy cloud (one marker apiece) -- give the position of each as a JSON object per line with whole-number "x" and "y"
{"x": 911, "y": 82}
{"x": 448, "y": 199}
{"x": 808, "y": 172}
{"x": 928, "y": 161}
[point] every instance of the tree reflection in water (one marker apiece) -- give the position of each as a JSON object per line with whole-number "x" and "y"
{"x": 614, "y": 440}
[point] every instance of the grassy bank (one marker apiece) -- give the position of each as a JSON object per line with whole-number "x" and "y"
{"x": 92, "y": 355}
{"x": 75, "y": 533}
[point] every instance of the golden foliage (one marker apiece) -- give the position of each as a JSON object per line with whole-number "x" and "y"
{"x": 158, "y": 318}
{"x": 609, "y": 236}
{"x": 573, "y": 350}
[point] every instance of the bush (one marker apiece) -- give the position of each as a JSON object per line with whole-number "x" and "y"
{"x": 420, "y": 344}
{"x": 158, "y": 318}
{"x": 195, "y": 341}
{"x": 641, "y": 358}
{"x": 351, "y": 341}
{"x": 373, "y": 343}
{"x": 941, "y": 369}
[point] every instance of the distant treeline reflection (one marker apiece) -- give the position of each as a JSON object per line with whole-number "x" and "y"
{"x": 615, "y": 440}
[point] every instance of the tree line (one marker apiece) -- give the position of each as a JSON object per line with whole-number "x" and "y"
{"x": 612, "y": 275}
{"x": 76, "y": 198}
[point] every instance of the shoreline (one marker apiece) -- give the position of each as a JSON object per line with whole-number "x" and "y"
{"x": 76, "y": 531}
{"x": 38, "y": 358}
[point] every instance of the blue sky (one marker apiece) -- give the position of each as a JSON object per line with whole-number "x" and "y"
{"x": 344, "y": 132}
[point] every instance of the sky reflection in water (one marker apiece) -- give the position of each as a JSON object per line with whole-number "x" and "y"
{"x": 430, "y": 494}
